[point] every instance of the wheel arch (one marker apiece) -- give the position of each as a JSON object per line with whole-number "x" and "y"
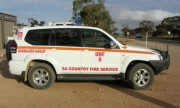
{"x": 34, "y": 62}
{"x": 132, "y": 63}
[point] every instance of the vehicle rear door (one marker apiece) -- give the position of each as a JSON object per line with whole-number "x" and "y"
{"x": 65, "y": 51}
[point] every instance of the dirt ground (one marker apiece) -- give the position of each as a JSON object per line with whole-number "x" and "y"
{"x": 164, "y": 93}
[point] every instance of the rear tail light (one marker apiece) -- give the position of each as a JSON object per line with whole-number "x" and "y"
{"x": 13, "y": 46}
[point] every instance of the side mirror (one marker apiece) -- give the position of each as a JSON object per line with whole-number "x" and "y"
{"x": 113, "y": 45}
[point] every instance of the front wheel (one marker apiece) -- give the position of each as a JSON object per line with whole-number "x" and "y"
{"x": 41, "y": 76}
{"x": 141, "y": 76}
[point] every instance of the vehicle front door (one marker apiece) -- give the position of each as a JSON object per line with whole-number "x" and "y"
{"x": 97, "y": 57}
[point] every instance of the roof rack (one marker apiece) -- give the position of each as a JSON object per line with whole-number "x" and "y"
{"x": 70, "y": 23}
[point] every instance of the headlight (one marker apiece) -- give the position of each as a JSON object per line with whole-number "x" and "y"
{"x": 158, "y": 54}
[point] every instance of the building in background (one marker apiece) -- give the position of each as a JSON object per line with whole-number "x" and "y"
{"x": 6, "y": 27}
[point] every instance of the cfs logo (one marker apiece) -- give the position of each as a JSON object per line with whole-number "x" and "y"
{"x": 99, "y": 55}
{"x": 19, "y": 35}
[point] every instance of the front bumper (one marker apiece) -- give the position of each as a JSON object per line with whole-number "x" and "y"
{"x": 160, "y": 65}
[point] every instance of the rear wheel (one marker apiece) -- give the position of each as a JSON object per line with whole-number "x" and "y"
{"x": 141, "y": 76}
{"x": 41, "y": 76}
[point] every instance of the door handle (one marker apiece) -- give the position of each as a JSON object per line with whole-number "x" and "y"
{"x": 86, "y": 51}
{"x": 54, "y": 50}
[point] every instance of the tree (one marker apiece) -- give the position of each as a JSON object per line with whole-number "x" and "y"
{"x": 125, "y": 29}
{"x": 93, "y": 13}
{"x": 138, "y": 30}
{"x": 161, "y": 30}
{"x": 171, "y": 24}
{"x": 78, "y": 5}
{"x": 147, "y": 26}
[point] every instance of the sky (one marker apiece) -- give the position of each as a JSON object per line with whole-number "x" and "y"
{"x": 130, "y": 12}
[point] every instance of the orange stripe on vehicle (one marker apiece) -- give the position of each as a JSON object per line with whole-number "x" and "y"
{"x": 90, "y": 49}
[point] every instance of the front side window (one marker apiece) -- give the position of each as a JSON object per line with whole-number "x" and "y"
{"x": 38, "y": 37}
{"x": 93, "y": 38}
{"x": 65, "y": 37}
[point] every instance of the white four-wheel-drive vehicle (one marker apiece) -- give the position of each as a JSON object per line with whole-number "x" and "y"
{"x": 44, "y": 54}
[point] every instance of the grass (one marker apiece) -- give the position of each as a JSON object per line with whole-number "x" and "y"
{"x": 128, "y": 41}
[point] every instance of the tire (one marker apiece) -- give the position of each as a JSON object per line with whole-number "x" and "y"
{"x": 8, "y": 54}
{"x": 141, "y": 76}
{"x": 41, "y": 76}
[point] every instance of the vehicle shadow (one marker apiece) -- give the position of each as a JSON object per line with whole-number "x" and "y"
{"x": 4, "y": 71}
{"x": 124, "y": 88}
{"x": 117, "y": 85}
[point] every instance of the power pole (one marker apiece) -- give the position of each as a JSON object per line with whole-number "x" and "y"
{"x": 146, "y": 38}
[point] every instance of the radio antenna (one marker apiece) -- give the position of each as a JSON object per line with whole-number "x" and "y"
{"x": 33, "y": 9}
{"x": 167, "y": 48}
{"x": 156, "y": 42}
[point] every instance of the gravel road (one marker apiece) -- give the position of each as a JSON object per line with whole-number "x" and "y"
{"x": 164, "y": 93}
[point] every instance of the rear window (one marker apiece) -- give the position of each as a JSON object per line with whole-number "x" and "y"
{"x": 65, "y": 37}
{"x": 38, "y": 37}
